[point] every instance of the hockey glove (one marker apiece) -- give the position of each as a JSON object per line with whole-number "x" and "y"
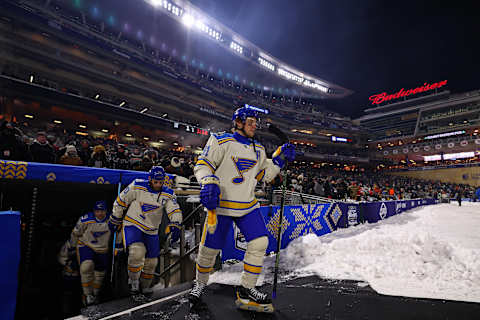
{"x": 174, "y": 230}
{"x": 113, "y": 225}
{"x": 284, "y": 152}
{"x": 210, "y": 193}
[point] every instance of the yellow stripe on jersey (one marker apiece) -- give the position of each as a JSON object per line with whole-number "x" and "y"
{"x": 174, "y": 211}
{"x": 168, "y": 195}
{"x": 220, "y": 142}
{"x": 260, "y": 175}
{"x": 121, "y": 202}
{"x": 204, "y": 162}
{"x": 259, "y": 146}
{"x": 237, "y": 205}
{"x": 144, "y": 227}
{"x": 140, "y": 188}
{"x": 88, "y": 222}
{"x": 250, "y": 268}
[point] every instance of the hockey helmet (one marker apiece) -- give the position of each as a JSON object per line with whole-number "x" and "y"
{"x": 100, "y": 205}
{"x": 157, "y": 173}
{"x": 243, "y": 113}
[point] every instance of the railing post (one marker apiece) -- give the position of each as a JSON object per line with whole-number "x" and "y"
{"x": 182, "y": 253}
{"x": 198, "y": 233}
{"x": 30, "y": 235}
{"x": 166, "y": 264}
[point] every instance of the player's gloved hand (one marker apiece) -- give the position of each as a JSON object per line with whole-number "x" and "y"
{"x": 114, "y": 227}
{"x": 284, "y": 152}
{"x": 174, "y": 230}
{"x": 210, "y": 193}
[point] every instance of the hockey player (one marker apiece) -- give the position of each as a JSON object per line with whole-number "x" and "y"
{"x": 228, "y": 171}
{"x": 90, "y": 238}
{"x": 147, "y": 201}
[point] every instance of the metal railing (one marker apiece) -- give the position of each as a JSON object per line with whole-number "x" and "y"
{"x": 297, "y": 198}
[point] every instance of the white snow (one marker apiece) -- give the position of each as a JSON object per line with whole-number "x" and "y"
{"x": 428, "y": 252}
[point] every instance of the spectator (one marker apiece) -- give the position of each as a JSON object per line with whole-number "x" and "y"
{"x": 71, "y": 157}
{"x": 120, "y": 159}
{"x": 11, "y": 146}
{"x": 136, "y": 160}
{"x": 99, "y": 157}
{"x": 85, "y": 151}
{"x": 41, "y": 150}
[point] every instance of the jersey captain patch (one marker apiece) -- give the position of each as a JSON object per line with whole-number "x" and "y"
{"x": 242, "y": 165}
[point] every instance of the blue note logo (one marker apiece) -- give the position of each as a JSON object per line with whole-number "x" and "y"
{"x": 242, "y": 165}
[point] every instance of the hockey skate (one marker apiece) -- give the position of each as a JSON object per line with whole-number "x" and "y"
{"x": 253, "y": 300}
{"x": 88, "y": 300}
{"x": 134, "y": 287}
{"x": 195, "y": 294}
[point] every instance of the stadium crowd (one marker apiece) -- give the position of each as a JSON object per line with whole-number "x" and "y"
{"x": 366, "y": 185}
{"x": 57, "y": 145}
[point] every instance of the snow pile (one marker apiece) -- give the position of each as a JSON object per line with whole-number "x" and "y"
{"x": 430, "y": 252}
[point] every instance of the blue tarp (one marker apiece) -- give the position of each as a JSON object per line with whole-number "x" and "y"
{"x": 9, "y": 261}
{"x": 63, "y": 173}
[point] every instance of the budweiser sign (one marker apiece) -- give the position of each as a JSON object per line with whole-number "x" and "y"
{"x": 382, "y": 97}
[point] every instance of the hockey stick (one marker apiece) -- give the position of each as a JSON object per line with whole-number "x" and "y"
{"x": 283, "y": 137}
{"x": 115, "y": 236}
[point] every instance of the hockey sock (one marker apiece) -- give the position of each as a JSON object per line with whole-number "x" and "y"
{"x": 253, "y": 261}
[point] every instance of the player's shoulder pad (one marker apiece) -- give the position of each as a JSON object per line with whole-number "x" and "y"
{"x": 166, "y": 190}
{"x": 140, "y": 183}
{"x": 222, "y": 135}
{"x": 88, "y": 217}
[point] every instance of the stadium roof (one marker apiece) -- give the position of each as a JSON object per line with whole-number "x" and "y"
{"x": 196, "y": 42}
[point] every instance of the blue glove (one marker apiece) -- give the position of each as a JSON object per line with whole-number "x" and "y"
{"x": 210, "y": 193}
{"x": 174, "y": 230}
{"x": 112, "y": 226}
{"x": 284, "y": 152}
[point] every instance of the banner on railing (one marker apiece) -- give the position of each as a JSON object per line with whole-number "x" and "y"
{"x": 320, "y": 219}
{"x": 297, "y": 221}
{"x": 63, "y": 173}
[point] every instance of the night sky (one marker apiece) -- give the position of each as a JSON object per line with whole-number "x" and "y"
{"x": 364, "y": 45}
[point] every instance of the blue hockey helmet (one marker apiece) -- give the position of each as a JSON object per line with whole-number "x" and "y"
{"x": 243, "y": 113}
{"x": 157, "y": 173}
{"x": 100, "y": 205}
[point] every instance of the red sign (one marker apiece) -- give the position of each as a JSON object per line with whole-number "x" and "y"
{"x": 382, "y": 97}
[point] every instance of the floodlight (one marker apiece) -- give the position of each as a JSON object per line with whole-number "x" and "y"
{"x": 188, "y": 20}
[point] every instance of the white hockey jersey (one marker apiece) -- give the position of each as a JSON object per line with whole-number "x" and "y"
{"x": 239, "y": 166}
{"x": 91, "y": 232}
{"x": 145, "y": 206}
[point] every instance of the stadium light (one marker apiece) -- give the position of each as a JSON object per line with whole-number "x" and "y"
{"x": 144, "y": 110}
{"x": 105, "y": 130}
{"x": 236, "y": 47}
{"x": 188, "y": 20}
{"x": 57, "y": 121}
{"x": 97, "y": 96}
{"x": 161, "y": 141}
{"x": 29, "y": 116}
{"x": 128, "y": 134}
{"x": 31, "y": 78}
{"x": 146, "y": 138}
{"x": 122, "y": 103}
{"x": 82, "y": 126}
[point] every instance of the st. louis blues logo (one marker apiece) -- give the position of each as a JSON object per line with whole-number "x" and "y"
{"x": 242, "y": 165}
{"x": 97, "y": 235}
{"x": 147, "y": 208}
